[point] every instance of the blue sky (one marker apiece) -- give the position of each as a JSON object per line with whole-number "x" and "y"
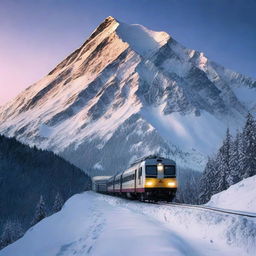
{"x": 37, "y": 34}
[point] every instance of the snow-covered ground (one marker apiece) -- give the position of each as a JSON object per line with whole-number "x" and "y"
{"x": 94, "y": 224}
{"x": 240, "y": 197}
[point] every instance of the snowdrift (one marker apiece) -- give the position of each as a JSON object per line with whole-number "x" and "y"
{"x": 93, "y": 224}
{"x": 240, "y": 197}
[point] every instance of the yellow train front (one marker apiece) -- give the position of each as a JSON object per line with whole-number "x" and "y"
{"x": 151, "y": 178}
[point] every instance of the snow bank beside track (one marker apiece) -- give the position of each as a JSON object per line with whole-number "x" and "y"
{"x": 101, "y": 225}
{"x": 229, "y": 232}
{"x": 241, "y": 196}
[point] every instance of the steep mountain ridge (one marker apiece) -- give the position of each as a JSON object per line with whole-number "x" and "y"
{"x": 126, "y": 92}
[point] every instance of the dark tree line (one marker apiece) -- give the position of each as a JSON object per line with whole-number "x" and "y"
{"x": 12, "y": 229}
{"x": 234, "y": 161}
{"x": 34, "y": 183}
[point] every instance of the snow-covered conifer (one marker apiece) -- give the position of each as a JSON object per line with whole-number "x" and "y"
{"x": 235, "y": 160}
{"x": 249, "y": 159}
{"x": 235, "y": 174}
{"x": 224, "y": 163}
{"x": 58, "y": 203}
{"x": 241, "y": 155}
{"x": 207, "y": 181}
{"x": 40, "y": 211}
{"x": 12, "y": 230}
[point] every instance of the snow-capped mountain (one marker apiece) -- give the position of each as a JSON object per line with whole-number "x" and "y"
{"x": 128, "y": 92}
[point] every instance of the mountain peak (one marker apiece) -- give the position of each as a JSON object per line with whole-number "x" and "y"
{"x": 127, "y": 81}
{"x": 106, "y": 23}
{"x": 110, "y": 18}
{"x": 141, "y": 39}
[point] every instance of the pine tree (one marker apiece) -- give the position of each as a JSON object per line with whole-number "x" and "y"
{"x": 217, "y": 173}
{"x": 235, "y": 173}
{"x": 207, "y": 184}
{"x": 11, "y": 232}
{"x": 58, "y": 203}
{"x": 249, "y": 134}
{"x": 223, "y": 162}
{"x": 235, "y": 160}
{"x": 214, "y": 172}
{"x": 40, "y": 212}
{"x": 204, "y": 185}
{"x": 7, "y": 235}
{"x": 241, "y": 155}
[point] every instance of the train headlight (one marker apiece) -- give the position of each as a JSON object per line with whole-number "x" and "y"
{"x": 172, "y": 184}
{"x": 160, "y": 167}
{"x": 149, "y": 183}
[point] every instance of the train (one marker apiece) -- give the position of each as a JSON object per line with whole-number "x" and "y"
{"x": 151, "y": 178}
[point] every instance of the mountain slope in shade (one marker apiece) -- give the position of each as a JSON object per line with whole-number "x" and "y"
{"x": 127, "y": 92}
{"x": 26, "y": 174}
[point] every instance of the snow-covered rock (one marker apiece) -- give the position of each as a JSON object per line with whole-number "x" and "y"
{"x": 129, "y": 92}
{"x": 93, "y": 224}
{"x": 240, "y": 197}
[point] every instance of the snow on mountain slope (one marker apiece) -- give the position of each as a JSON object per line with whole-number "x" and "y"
{"x": 142, "y": 40}
{"x": 240, "y": 197}
{"x": 126, "y": 92}
{"x": 93, "y": 224}
{"x": 184, "y": 130}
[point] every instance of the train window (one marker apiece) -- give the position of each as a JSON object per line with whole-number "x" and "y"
{"x": 169, "y": 170}
{"x": 140, "y": 172}
{"x": 151, "y": 171}
{"x": 128, "y": 178}
{"x": 117, "y": 181}
{"x": 110, "y": 183}
{"x": 125, "y": 179}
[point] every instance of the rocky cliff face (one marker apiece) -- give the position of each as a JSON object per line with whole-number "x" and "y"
{"x": 127, "y": 92}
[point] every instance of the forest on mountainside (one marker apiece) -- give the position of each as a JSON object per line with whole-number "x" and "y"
{"x": 34, "y": 183}
{"x": 234, "y": 161}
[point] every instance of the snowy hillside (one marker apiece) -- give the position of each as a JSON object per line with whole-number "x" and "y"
{"x": 93, "y": 224}
{"x": 129, "y": 92}
{"x": 241, "y": 196}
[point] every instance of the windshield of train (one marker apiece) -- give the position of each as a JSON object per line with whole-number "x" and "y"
{"x": 151, "y": 171}
{"x": 169, "y": 170}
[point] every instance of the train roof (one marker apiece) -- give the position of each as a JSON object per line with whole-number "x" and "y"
{"x": 152, "y": 157}
{"x": 100, "y": 178}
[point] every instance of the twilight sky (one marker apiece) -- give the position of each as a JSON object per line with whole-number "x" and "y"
{"x": 35, "y": 35}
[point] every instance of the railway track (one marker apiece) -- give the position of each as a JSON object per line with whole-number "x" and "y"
{"x": 209, "y": 208}
{"x": 205, "y": 208}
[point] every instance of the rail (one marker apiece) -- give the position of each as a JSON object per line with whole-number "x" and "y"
{"x": 214, "y": 209}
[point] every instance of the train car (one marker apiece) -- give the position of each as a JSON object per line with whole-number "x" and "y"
{"x": 150, "y": 178}
{"x": 117, "y": 184}
{"x": 99, "y": 183}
